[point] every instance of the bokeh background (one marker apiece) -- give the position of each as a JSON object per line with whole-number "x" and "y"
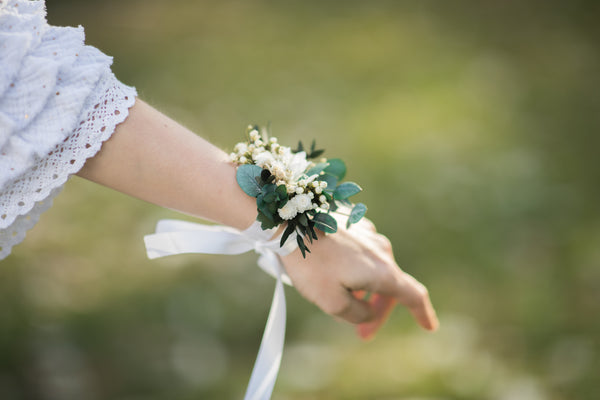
{"x": 473, "y": 128}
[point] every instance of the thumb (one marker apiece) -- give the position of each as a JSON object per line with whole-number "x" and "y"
{"x": 382, "y": 307}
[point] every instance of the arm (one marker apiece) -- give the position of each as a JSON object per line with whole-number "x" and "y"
{"x": 151, "y": 157}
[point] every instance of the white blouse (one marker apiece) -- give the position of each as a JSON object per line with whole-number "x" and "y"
{"x": 59, "y": 101}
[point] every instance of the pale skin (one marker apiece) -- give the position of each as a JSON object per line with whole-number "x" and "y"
{"x": 151, "y": 157}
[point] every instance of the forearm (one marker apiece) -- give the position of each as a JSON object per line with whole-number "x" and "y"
{"x": 151, "y": 157}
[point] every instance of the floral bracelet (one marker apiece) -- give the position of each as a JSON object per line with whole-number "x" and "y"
{"x": 290, "y": 188}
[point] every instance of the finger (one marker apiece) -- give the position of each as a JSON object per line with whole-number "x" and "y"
{"x": 412, "y": 294}
{"x": 382, "y": 306}
{"x": 416, "y": 298}
{"x": 348, "y": 307}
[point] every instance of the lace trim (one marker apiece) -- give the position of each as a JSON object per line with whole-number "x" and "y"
{"x": 26, "y": 198}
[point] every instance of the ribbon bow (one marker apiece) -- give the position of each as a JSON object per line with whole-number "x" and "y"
{"x": 179, "y": 237}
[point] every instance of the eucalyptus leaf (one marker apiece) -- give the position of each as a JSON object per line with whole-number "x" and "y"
{"x": 346, "y": 190}
{"x": 317, "y": 168}
{"x": 325, "y": 222}
{"x": 246, "y": 177}
{"x": 271, "y": 197}
{"x": 336, "y": 167}
{"x": 281, "y": 192}
{"x": 269, "y": 188}
{"x": 356, "y": 214}
{"x": 331, "y": 182}
{"x": 265, "y": 222}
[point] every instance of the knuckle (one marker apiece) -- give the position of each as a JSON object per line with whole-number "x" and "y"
{"x": 422, "y": 294}
{"x": 338, "y": 307}
{"x": 385, "y": 243}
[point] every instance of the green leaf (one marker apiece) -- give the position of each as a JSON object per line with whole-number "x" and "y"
{"x": 317, "y": 168}
{"x": 325, "y": 222}
{"x": 265, "y": 174}
{"x": 311, "y": 228}
{"x": 302, "y": 246}
{"x": 356, "y": 214}
{"x": 246, "y": 177}
{"x": 287, "y": 232}
{"x": 263, "y": 207}
{"x": 346, "y": 190}
{"x": 265, "y": 222}
{"x": 316, "y": 153}
{"x": 303, "y": 220}
{"x": 336, "y": 168}
{"x": 344, "y": 202}
{"x": 331, "y": 182}
{"x": 271, "y": 197}
{"x": 281, "y": 192}
{"x": 269, "y": 188}
{"x": 300, "y": 147}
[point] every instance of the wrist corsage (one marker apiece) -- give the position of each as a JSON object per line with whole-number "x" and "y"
{"x": 291, "y": 188}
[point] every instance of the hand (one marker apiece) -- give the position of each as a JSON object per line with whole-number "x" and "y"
{"x": 344, "y": 266}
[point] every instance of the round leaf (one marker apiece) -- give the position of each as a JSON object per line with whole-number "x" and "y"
{"x": 346, "y": 190}
{"x": 356, "y": 214}
{"x": 246, "y": 177}
{"x": 336, "y": 168}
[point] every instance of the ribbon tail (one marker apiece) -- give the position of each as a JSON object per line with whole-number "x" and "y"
{"x": 268, "y": 360}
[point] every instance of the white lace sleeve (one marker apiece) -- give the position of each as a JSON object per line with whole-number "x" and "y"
{"x": 59, "y": 101}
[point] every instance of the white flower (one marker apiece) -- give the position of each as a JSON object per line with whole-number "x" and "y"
{"x": 278, "y": 169}
{"x": 318, "y": 190}
{"x": 254, "y": 135}
{"x": 243, "y": 159}
{"x": 299, "y": 190}
{"x": 241, "y": 148}
{"x": 288, "y": 211}
{"x": 311, "y": 179}
{"x": 233, "y": 157}
{"x": 323, "y": 184}
{"x": 322, "y": 198}
{"x": 273, "y": 139}
{"x": 257, "y": 151}
{"x": 298, "y": 164}
{"x": 302, "y": 202}
{"x": 264, "y": 159}
{"x": 311, "y": 195}
{"x": 325, "y": 206}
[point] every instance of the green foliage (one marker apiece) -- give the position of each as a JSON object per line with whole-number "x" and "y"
{"x": 313, "y": 153}
{"x": 317, "y": 168}
{"x": 356, "y": 214}
{"x": 336, "y": 167}
{"x": 331, "y": 180}
{"x": 325, "y": 222}
{"x": 345, "y": 190}
{"x": 248, "y": 177}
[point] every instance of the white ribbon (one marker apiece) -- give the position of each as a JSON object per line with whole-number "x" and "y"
{"x": 178, "y": 237}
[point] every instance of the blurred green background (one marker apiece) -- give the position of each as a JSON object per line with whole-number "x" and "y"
{"x": 473, "y": 128}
